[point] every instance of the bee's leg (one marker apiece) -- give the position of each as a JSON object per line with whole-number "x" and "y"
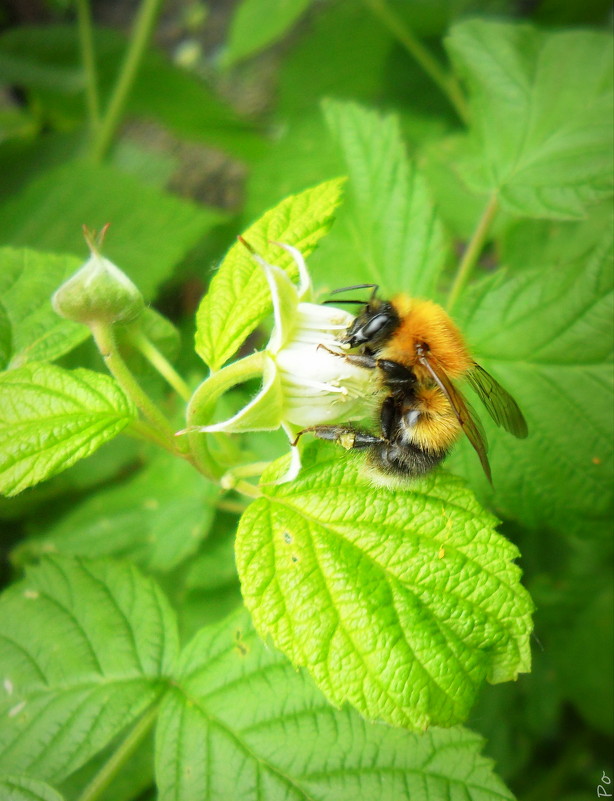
{"x": 346, "y": 436}
{"x": 389, "y": 417}
{"x": 395, "y": 374}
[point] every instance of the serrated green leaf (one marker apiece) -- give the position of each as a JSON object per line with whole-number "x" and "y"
{"x": 50, "y": 418}
{"x": 27, "y": 281}
{"x": 6, "y": 337}
{"x": 399, "y": 602}
{"x": 150, "y": 230}
{"x": 243, "y": 723}
{"x": 24, "y": 788}
{"x": 239, "y": 296}
{"x": 546, "y": 335}
{"x": 157, "y": 519}
{"x": 259, "y": 23}
{"x": 84, "y": 649}
{"x": 390, "y": 229}
{"x": 541, "y": 111}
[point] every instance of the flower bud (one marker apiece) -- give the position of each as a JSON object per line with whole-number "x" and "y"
{"x": 99, "y": 292}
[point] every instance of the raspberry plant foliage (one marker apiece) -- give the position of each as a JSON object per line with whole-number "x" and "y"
{"x": 127, "y": 632}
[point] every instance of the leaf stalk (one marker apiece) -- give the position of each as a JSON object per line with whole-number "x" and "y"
{"x": 111, "y": 768}
{"x": 473, "y": 250}
{"x": 86, "y": 41}
{"x": 436, "y": 72}
{"x": 141, "y": 34}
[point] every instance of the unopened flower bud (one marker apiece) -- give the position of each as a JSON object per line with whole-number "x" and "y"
{"x": 99, "y": 292}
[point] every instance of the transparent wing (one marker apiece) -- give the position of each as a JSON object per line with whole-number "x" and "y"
{"x": 498, "y": 402}
{"x": 466, "y": 417}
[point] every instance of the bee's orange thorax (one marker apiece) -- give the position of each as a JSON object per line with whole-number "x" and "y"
{"x": 425, "y": 322}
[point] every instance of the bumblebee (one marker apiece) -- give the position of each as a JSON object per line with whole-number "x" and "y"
{"x": 418, "y": 355}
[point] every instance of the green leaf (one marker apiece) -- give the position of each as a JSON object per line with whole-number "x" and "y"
{"x": 242, "y": 723}
{"x": 256, "y": 24}
{"x": 6, "y": 337}
{"x": 353, "y": 66}
{"x": 585, "y": 653}
{"x": 27, "y": 281}
{"x": 50, "y": 418}
{"x": 157, "y": 518}
{"x": 239, "y": 296}
{"x": 150, "y": 230}
{"x": 23, "y": 788}
{"x": 399, "y": 602}
{"x": 541, "y": 111}
{"x": 84, "y": 649}
{"x": 545, "y": 334}
{"x": 391, "y": 233}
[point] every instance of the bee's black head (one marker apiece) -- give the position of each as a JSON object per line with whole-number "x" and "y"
{"x": 373, "y": 326}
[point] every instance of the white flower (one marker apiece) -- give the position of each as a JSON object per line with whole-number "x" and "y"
{"x": 304, "y": 384}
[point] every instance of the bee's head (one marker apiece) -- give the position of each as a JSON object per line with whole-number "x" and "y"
{"x": 375, "y": 322}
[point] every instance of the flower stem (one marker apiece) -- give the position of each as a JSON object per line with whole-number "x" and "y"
{"x": 473, "y": 250}
{"x": 116, "y": 762}
{"x": 107, "y": 345}
{"x": 403, "y": 33}
{"x": 86, "y": 40}
{"x": 143, "y": 27}
{"x": 202, "y": 404}
{"x": 160, "y": 363}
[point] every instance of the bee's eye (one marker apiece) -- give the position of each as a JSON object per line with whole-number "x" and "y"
{"x": 374, "y": 326}
{"x": 369, "y": 330}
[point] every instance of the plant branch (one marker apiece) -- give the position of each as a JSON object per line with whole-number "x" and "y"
{"x": 403, "y": 33}
{"x": 116, "y": 762}
{"x": 473, "y": 250}
{"x": 143, "y": 27}
{"x": 86, "y": 41}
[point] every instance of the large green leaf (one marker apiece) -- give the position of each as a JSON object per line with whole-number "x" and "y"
{"x": 239, "y": 296}
{"x": 389, "y": 230}
{"x": 242, "y": 723}
{"x": 259, "y": 23}
{"x": 84, "y": 649}
{"x": 546, "y": 334}
{"x": 27, "y": 281}
{"x": 157, "y": 519}
{"x": 50, "y": 418}
{"x": 150, "y": 232}
{"x": 541, "y": 115}
{"x": 23, "y": 788}
{"x": 399, "y": 601}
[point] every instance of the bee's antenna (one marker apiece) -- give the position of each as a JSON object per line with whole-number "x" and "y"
{"x": 356, "y": 302}
{"x": 374, "y": 287}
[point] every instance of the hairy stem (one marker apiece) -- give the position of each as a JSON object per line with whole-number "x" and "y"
{"x": 160, "y": 363}
{"x": 473, "y": 250}
{"x": 86, "y": 42}
{"x": 107, "y": 345}
{"x": 141, "y": 34}
{"x": 202, "y": 405}
{"x": 119, "y": 758}
{"x": 436, "y": 72}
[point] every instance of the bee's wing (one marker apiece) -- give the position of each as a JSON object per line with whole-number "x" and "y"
{"x": 468, "y": 419}
{"x": 498, "y": 402}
